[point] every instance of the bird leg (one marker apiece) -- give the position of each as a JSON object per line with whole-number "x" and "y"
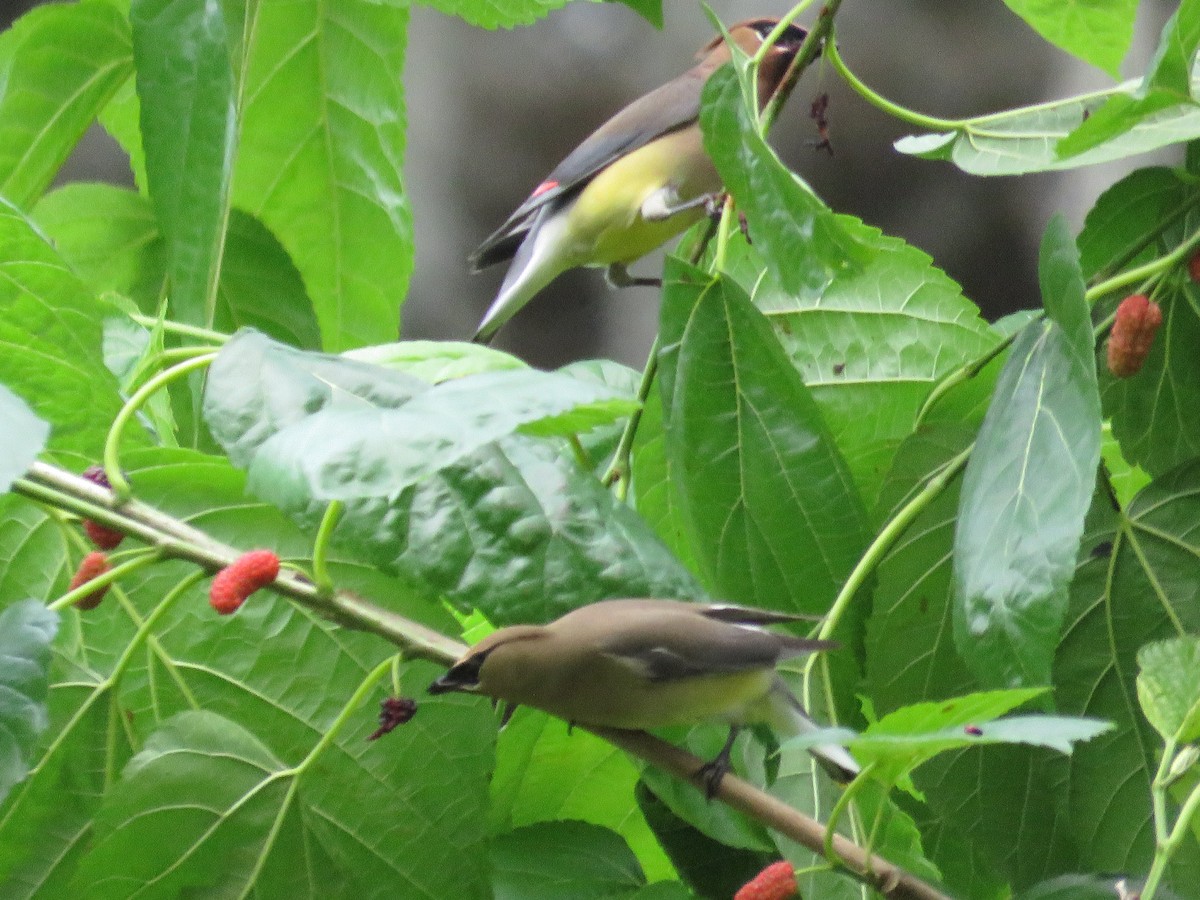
{"x": 714, "y": 770}
{"x": 619, "y": 276}
{"x": 664, "y": 203}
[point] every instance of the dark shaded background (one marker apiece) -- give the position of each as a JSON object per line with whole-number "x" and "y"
{"x": 490, "y": 113}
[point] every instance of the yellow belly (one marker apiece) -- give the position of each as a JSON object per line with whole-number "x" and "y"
{"x": 605, "y": 221}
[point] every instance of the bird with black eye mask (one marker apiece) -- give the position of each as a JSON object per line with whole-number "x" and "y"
{"x": 637, "y": 181}
{"x": 646, "y": 664}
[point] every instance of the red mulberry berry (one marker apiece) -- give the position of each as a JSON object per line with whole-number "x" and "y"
{"x": 776, "y": 882}
{"x": 93, "y": 566}
{"x": 241, "y": 578}
{"x": 1194, "y": 266}
{"x": 101, "y": 535}
{"x": 1138, "y": 319}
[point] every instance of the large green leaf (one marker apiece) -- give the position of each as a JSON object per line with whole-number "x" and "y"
{"x": 1097, "y": 31}
{"x": 320, "y": 156}
{"x": 871, "y": 343}
{"x": 1122, "y": 227}
{"x": 50, "y": 333}
{"x": 257, "y": 387}
{"x": 513, "y": 529}
{"x": 1150, "y": 411}
{"x": 284, "y": 675}
{"x": 26, "y": 630}
{"x": 188, "y": 123}
{"x": 564, "y": 861}
{"x": 1136, "y": 584}
{"x": 546, "y": 771}
{"x": 109, "y": 236}
{"x": 1028, "y": 486}
{"x": 771, "y": 510}
{"x": 1167, "y": 86}
{"x": 978, "y": 830}
{"x": 59, "y": 65}
{"x": 33, "y": 551}
{"x": 803, "y": 242}
{"x": 1023, "y": 140}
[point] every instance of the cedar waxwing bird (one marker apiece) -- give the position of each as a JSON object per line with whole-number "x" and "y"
{"x": 644, "y": 664}
{"x": 637, "y": 181}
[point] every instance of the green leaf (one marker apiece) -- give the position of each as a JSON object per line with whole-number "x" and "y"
{"x": 50, "y": 334}
{"x": 46, "y": 821}
{"x": 1097, "y": 31}
{"x": 707, "y": 865}
{"x": 771, "y": 510}
{"x": 1167, "y": 86}
{"x": 1121, "y": 227}
{"x": 545, "y": 773}
{"x": 188, "y": 122}
{"x": 872, "y": 343}
{"x": 201, "y": 786}
{"x": 1148, "y": 409}
{"x": 655, "y": 497}
{"x": 912, "y": 735}
{"x": 498, "y": 13}
{"x": 286, "y": 675}
{"x": 320, "y": 156}
{"x": 26, "y": 630}
{"x": 260, "y": 288}
{"x": 513, "y": 529}
{"x": 803, "y": 242}
{"x": 1028, "y": 486}
{"x": 109, "y": 236}
{"x": 33, "y": 552}
{"x": 981, "y": 833}
{"x": 22, "y": 437}
{"x": 563, "y": 861}
{"x": 257, "y": 387}
{"x": 1136, "y": 583}
{"x": 366, "y": 453}
{"x": 1023, "y": 140}
{"x": 1168, "y": 687}
{"x": 59, "y": 65}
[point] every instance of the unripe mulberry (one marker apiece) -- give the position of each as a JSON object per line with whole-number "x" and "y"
{"x": 93, "y": 566}
{"x": 241, "y": 578}
{"x": 776, "y": 882}
{"x": 1138, "y": 320}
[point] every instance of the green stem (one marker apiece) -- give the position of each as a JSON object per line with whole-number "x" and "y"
{"x": 835, "y": 814}
{"x": 143, "y": 558}
{"x": 619, "y": 469}
{"x": 804, "y": 57}
{"x": 582, "y": 457}
{"x": 1165, "y": 850}
{"x": 112, "y": 464}
{"x": 348, "y": 711}
{"x": 931, "y": 123}
{"x": 887, "y": 538}
{"x": 333, "y": 513}
{"x": 778, "y": 31}
{"x": 724, "y": 232}
{"x": 959, "y": 376}
{"x": 1158, "y": 793}
{"x": 195, "y": 331}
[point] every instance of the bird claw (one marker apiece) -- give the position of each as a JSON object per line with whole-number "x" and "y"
{"x": 711, "y": 774}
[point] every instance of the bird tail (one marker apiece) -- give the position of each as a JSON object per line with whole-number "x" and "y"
{"x": 793, "y": 719}
{"x": 536, "y": 263}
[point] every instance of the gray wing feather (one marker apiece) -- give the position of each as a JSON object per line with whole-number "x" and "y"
{"x": 668, "y": 108}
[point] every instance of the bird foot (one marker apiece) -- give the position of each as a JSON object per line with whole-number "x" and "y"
{"x": 712, "y": 773}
